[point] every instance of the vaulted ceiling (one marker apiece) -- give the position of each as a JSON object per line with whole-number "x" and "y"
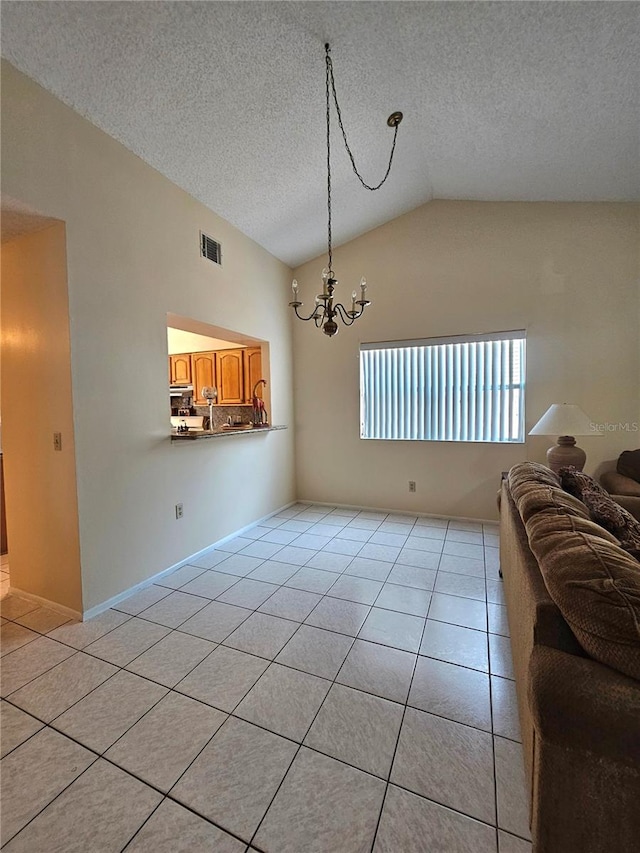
{"x": 502, "y": 101}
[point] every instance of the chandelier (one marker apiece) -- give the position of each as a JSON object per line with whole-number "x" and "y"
{"x": 326, "y": 310}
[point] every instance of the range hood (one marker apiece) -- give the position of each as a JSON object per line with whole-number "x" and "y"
{"x": 179, "y": 390}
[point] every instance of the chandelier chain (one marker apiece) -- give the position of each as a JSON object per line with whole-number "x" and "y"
{"x": 329, "y": 245}
{"x": 330, "y": 78}
{"x": 327, "y": 310}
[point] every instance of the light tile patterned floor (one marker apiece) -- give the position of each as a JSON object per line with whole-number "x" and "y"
{"x": 332, "y": 680}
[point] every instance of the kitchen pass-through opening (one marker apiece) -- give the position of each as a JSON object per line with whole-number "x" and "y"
{"x": 218, "y": 378}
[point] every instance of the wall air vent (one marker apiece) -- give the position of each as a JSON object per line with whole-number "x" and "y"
{"x": 210, "y": 249}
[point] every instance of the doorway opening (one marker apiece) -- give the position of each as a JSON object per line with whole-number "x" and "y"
{"x": 37, "y": 438}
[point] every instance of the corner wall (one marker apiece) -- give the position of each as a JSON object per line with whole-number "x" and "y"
{"x": 568, "y": 273}
{"x": 41, "y": 499}
{"x": 133, "y": 257}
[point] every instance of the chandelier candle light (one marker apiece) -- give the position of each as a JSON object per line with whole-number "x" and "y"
{"x": 326, "y": 310}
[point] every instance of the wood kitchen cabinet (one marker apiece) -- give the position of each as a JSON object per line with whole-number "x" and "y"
{"x": 203, "y": 372}
{"x": 233, "y": 372}
{"x": 252, "y": 366}
{"x": 230, "y": 376}
{"x": 180, "y": 369}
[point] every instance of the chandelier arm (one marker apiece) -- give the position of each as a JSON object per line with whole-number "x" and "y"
{"x": 320, "y": 316}
{"x": 330, "y": 78}
{"x": 300, "y": 317}
{"x": 344, "y": 315}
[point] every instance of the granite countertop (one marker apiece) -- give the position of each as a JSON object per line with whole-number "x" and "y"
{"x": 198, "y": 434}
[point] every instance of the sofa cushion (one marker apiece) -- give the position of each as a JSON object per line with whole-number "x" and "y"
{"x": 596, "y": 586}
{"x": 629, "y": 464}
{"x": 535, "y": 488}
{"x": 593, "y": 582}
{"x": 528, "y": 472}
{"x": 609, "y": 514}
{"x": 549, "y": 522}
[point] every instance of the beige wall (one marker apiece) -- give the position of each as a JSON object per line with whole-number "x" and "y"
{"x": 568, "y": 273}
{"x": 41, "y": 500}
{"x": 133, "y": 257}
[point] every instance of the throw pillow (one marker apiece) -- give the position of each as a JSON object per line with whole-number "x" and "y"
{"x": 614, "y": 518}
{"x": 629, "y": 464}
{"x": 575, "y": 482}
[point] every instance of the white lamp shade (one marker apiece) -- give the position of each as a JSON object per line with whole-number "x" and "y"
{"x": 564, "y": 419}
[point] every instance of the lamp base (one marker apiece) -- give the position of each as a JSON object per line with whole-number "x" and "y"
{"x": 564, "y": 453}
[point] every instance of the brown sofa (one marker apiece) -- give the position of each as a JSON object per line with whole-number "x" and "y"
{"x": 577, "y": 674}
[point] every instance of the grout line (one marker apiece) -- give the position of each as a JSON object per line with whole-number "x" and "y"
{"x": 301, "y": 743}
{"x": 404, "y": 714}
{"x": 176, "y": 630}
{"x": 144, "y": 822}
{"x": 52, "y": 667}
{"x": 27, "y": 739}
{"x": 493, "y": 743}
{"x": 249, "y": 613}
{"x": 333, "y": 681}
{"x": 167, "y": 795}
{"x": 123, "y": 668}
{"x": 192, "y": 810}
{"x": 52, "y": 800}
{"x": 231, "y": 713}
{"x": 102, "y": 755}
{"x": 73, "y": 704}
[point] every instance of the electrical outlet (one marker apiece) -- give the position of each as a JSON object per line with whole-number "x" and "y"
{"x": 57, "y": 441}
{"x": 179, "y": 510}
{"x": 412, "y": 485}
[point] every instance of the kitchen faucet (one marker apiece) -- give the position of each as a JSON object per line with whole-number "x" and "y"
{"x": 259, "y": 411}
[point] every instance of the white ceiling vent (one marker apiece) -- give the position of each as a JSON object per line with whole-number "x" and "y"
{"x": 210, "y": 249}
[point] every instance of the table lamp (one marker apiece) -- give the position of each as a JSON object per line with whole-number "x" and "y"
{"x": 565, "y": 420}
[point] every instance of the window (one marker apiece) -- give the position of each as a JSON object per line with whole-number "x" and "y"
{"x": 467, "y": 388}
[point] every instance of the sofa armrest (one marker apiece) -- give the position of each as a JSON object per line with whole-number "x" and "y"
{"x": 618, "y": 484}
{"x": 629, "y": 503}
{"x": 580, "y": 704}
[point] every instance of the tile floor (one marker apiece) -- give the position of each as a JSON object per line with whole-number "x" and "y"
{"x": 331, "y": 680}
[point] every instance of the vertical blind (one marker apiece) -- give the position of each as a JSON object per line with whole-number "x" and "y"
{"x": 468, "y": 388}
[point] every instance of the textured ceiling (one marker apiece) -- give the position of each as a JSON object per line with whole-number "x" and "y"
{"x": 502, "y": 101}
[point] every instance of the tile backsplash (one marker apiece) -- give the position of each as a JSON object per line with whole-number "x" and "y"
{"x": 244, "y": 414}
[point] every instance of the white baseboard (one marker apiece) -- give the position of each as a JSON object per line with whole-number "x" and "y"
{"x": 116, "y": 599}
{"x": 44, "y": 602}
{"x": 399, "y": 511}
